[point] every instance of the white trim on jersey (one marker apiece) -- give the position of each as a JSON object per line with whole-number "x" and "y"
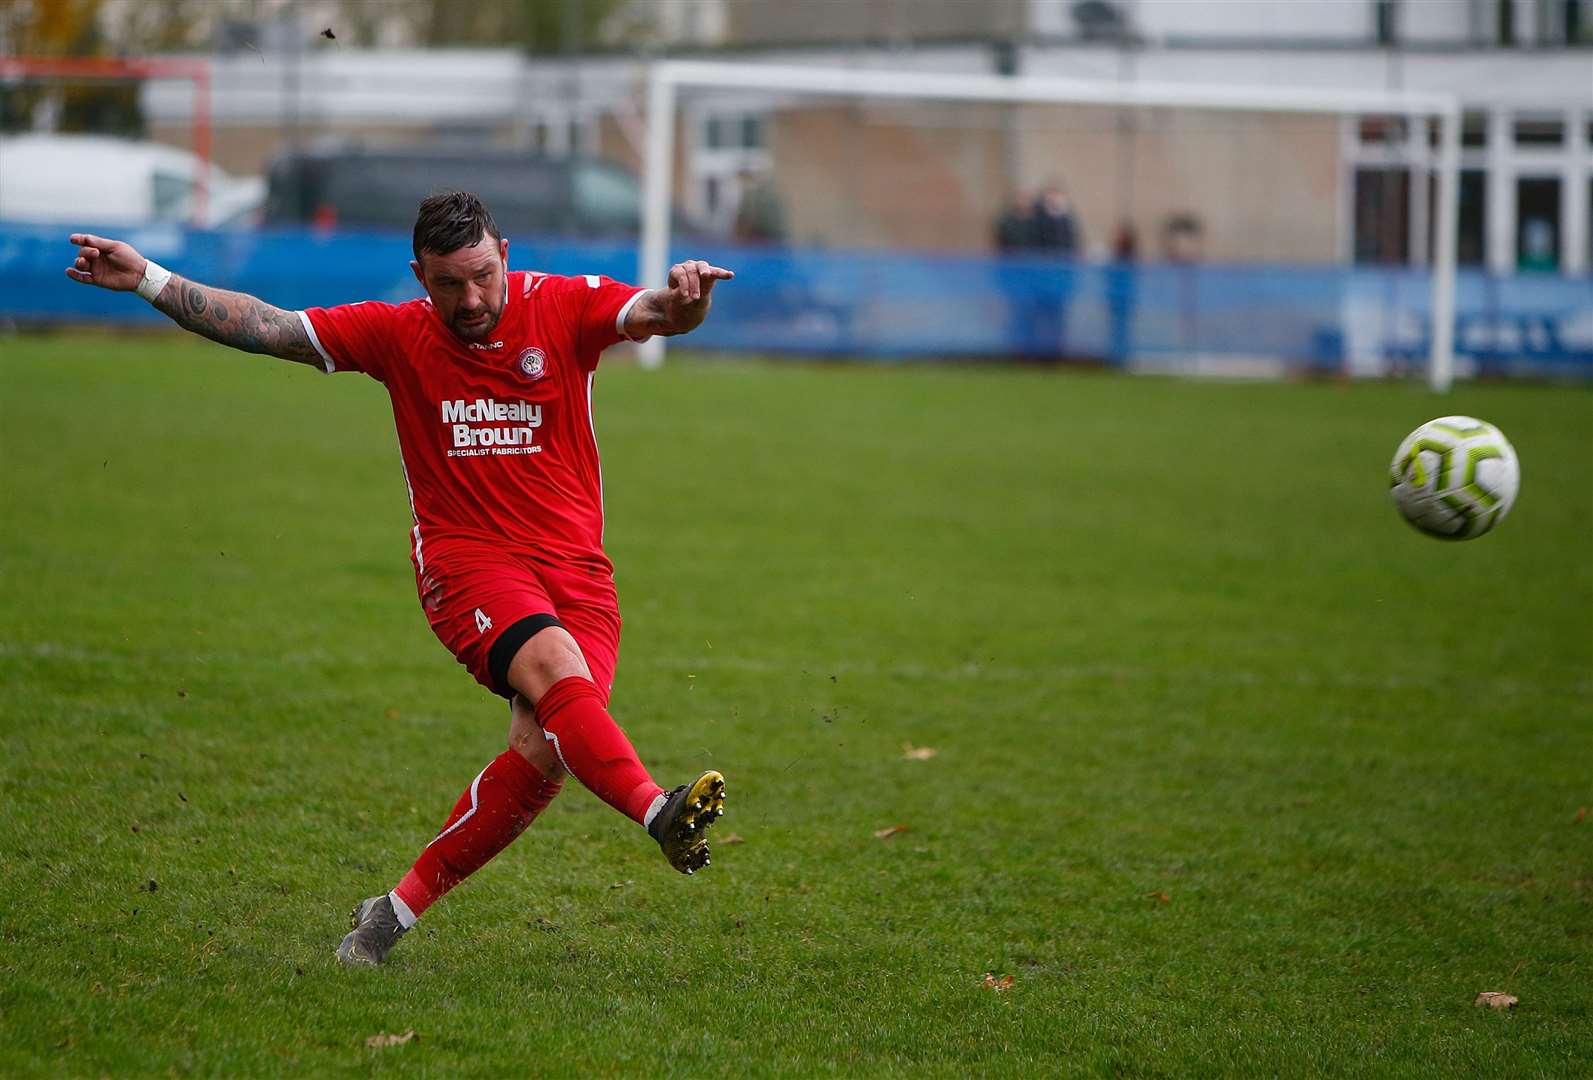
{"x": 597, "y": 457}
{"x": 619, "y": 320}
{"x": 310, "y": 330}
{"x": 420, "y": 561}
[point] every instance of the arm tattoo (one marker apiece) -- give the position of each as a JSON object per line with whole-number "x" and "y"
{"x": 237, "y": 319}
{"x": 652, "y": 312}
{"x": 658, "y": 315}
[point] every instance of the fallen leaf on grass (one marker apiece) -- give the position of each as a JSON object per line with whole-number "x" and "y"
{"x": 376, "y": 1042}
{"x": 917, "y": 753}
{"x": 621, "y": 884}
{"x": 733, "y": 838}
{"x": 1160, "y": 895}
{"x": 993, "y": 983}
{"x": 1496, "y": 1000}
{"x": 1581, "y": 816}
{"x": 889, "y": 831}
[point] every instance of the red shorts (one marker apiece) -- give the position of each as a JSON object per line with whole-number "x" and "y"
{"x": 485, "y": 602}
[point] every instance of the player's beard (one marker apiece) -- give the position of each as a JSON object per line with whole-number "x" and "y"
{"x": 475, "y": 331}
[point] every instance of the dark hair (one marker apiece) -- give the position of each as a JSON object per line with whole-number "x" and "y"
{"x": 450, "y": 221}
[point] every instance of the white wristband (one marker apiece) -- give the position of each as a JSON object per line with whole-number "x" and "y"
{"x": 155, "y": 278}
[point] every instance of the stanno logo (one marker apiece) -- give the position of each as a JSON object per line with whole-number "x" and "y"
{"x": 486, "y": 344}
{"x": 533, "y": 364}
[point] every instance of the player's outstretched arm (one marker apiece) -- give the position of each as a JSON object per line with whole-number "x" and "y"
{"x": 232, "y": 318}
{"x": 679, "y": 309}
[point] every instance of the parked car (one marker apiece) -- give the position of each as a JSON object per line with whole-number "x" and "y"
{"x": 102, "y": 180}
{"x": 379, "y": 188}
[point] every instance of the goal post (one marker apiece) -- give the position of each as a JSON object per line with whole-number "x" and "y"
{"x": 138, "y": 70}
{"x": 666, "y": 79}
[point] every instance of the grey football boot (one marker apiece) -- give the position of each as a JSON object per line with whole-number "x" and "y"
{"x": 376, "y": 931}
{"x": 680, "y": 826}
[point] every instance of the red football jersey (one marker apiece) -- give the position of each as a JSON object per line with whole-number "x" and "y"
{"x": 496, "y": 435}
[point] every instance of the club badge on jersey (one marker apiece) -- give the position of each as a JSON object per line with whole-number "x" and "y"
{"x": 532, "y": 364}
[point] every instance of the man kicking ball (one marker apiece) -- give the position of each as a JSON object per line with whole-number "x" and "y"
{"x": 490, "y": 377}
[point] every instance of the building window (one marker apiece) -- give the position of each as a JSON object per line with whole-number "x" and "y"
{"x": 732, "y": 131}
{"x": 1382, "y": 216}
{"x": 1507, "y": 22}
{"x": 731, "y": 145}
{"x": 1471, "y": 248}
{"x": 1472, "y": 238}
{"x": 1473, "y": 131}
{"x": 1538, "y": 223}
{"x": 752, "y": 132}
{"x": 1382, "y": 130}
{"x": 1539, "y": 130}
{"x": 1385, "y": 14}
{"x": 1578, "y": 23}
{"x": 561, "y": 135}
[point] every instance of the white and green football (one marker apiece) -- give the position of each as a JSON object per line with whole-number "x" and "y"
{"x": 1455, "y": 477}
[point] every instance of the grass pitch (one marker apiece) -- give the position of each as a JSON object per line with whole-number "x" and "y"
{"x": 1235, "y": 772}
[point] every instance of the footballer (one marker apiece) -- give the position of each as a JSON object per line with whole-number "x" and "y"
{"x": 490, "y": 376}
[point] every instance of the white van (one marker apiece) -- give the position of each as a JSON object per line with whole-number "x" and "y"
{"x": 98, "y": 179}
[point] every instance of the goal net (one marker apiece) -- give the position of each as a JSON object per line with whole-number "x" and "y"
{"x": 1197, "y": 228}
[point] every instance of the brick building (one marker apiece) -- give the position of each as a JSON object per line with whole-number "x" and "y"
{"x": 906, "y": 175}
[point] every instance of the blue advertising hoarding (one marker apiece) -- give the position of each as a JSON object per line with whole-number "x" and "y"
{"x": 893, "y": 305}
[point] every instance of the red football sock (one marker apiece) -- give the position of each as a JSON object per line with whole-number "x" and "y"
{"x": 503, "y": 799}
{"x": 593, "y": 747}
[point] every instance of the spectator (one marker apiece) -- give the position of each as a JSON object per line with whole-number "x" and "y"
{"x": 1014, "y": 277}
{"x": 1120, "y": 291}
{"x": 760, "y": 213}
{"x": 1054, "y": 232}
{"x": 1013, "y": 229}
{"x": 1052, "y": 226}
{"x": 1182, "y": 238}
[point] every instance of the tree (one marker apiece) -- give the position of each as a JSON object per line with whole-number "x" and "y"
{"x": 59, "y": 28}
{"x": 536, "y": 25}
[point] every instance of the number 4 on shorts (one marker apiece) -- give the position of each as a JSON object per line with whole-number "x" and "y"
{"x": 483, "y": 624}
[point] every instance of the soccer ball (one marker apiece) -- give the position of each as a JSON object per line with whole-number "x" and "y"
{"x": 1455, "y": 477}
